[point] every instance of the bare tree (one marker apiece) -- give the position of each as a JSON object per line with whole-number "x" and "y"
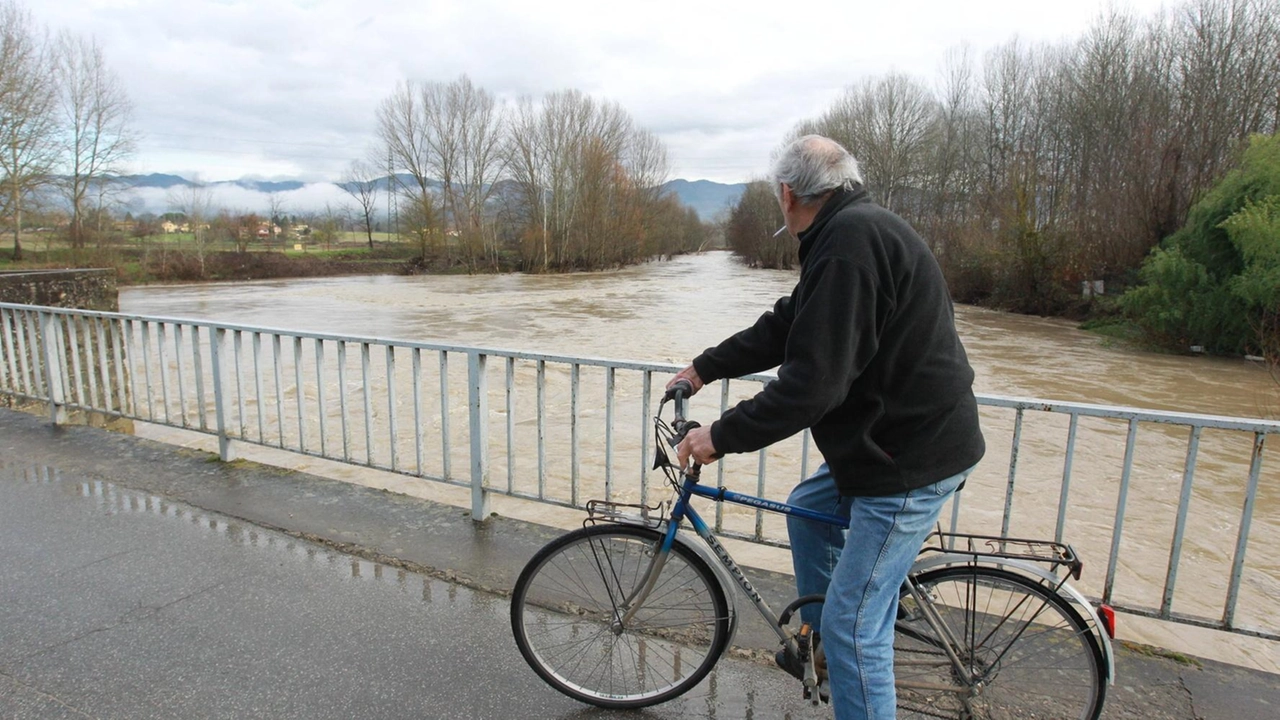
{"x": 752, "y": 225}
{"x": 326, "y": 226}
{"x": 27, "y": 119}
{"x": 96, "y": 116}
{"x": 570, "y": 178}
{"x": 361, "y": 183}
{"x": 195, "y": 201}
{"x": 275, "y": 215}
{"x": 888, "y": 124}
{"x": 527, "y": 163}
{"x": 405, "y": 133}
{"x": 463, "y": 136}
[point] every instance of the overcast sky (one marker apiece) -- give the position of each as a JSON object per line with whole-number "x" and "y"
{"x": 287, "y": 89}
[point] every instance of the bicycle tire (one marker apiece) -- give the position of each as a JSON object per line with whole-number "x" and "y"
{"x": 562, "y": 610}
{"x": 1034, "y": 653}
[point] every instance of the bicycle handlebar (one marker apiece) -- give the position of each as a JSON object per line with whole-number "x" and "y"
{"x": 680, "y": 391}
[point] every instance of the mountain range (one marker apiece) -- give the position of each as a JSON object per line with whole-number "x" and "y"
{"x": 707, "y": 198}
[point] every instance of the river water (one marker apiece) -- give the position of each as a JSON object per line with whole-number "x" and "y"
{"x": 670, "y": 311}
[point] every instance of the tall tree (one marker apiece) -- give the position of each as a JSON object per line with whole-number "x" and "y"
{"x": 28, "y": 124}
{"x": 95, "y": 119}
{"x": 464, "y": 135}
{"x": 405, "y": 133}
{"x": 361, "y": 183}
{"x": 275, "y": 216}
{"x": 195, "y": 201}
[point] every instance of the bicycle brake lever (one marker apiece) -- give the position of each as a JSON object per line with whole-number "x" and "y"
{"x": 683, "y": 430}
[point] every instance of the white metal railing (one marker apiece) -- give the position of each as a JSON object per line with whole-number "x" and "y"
{"x": 426, "y": 410}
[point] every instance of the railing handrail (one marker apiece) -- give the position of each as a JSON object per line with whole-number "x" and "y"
{"x": 121, "y": 364}
{"x": 1124, "y": 412}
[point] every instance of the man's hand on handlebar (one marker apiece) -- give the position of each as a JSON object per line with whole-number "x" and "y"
{"x": 691, "y": 376}
{"x": 697, "y": 444}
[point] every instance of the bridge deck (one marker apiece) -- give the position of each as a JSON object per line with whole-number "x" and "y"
{"x": 143, "y": 580}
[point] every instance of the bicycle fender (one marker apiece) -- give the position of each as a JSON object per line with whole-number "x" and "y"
{"x": 1072, "y": 595}
{"x": 727, "y": 583}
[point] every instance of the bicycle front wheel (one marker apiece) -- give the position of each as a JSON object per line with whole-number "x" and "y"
{"x": 1027, "y": 650}
{"x": 564, "y": 614}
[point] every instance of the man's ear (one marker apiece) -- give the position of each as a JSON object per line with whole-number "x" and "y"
{"x": 788, "y": 197}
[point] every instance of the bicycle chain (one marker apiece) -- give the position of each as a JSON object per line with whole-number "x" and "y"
{"x": 926, "y": 712}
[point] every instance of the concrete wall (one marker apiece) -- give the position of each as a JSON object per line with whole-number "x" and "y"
{"x": 91, "y": 289}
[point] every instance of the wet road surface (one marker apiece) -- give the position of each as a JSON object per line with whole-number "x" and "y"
{"x": 143, "y": 580}
{"x": 120, "y": 603}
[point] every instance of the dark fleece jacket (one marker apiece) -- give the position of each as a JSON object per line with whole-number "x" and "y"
{"x": 867, "y": 356}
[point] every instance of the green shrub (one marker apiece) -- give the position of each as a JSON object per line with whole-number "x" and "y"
{"x": 1216, "y": 282}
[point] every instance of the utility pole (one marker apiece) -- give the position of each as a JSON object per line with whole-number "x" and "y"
{"x": 393, "y": 195}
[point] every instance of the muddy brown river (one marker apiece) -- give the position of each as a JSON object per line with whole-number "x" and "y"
{"x": 670, "y": 311}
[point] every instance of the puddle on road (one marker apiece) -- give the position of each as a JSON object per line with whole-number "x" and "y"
{"x": 112, "y": 499}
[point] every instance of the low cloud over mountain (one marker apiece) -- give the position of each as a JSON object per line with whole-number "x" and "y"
{"x": 160, "y": 193}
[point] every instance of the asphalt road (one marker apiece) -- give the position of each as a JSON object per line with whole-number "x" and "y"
{"x": 117, "y": 603}
{"x": 143, "y": 580}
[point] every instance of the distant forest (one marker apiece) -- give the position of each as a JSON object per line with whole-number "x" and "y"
{"x": 1036, "y": 168}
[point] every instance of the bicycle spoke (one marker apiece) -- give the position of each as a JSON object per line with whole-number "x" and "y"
{"x": 566, "y": 606}
{"x": 1029, "y": 652}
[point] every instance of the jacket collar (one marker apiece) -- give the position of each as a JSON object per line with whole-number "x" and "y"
{"x": 838, "y": 201}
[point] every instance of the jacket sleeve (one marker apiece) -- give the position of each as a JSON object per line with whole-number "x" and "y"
{"x": 758, "y": 348}
{"x": 832, "y": 339}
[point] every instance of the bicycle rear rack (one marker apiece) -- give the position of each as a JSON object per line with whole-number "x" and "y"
{"x": 1047, "y": 552}
{"x": 651, "y": 516}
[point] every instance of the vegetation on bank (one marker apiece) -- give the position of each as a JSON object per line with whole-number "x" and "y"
{"x": 560, "y": 182}
{"x": 175, "y": 258}
{"x": 1052, "y": 179}
{"x": 1215, "y": 283}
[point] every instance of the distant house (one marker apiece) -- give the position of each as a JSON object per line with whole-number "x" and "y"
{"x": 168, "y": 227}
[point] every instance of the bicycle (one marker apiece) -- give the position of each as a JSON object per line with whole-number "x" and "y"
{"x": 626, "y": 612}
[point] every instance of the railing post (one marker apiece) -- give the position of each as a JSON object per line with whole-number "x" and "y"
{"x": 478, "y": 410}
{"x": 51, "y": 345}
{"x": 226, "y": 447}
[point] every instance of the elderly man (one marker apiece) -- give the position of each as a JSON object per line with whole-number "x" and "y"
{"x": 868, "y": 357}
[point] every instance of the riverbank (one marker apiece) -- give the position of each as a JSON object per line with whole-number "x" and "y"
{"x": 164, "y": 264}
{"x": 168, "y": 263}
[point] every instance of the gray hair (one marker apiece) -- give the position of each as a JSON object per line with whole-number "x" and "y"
{"x": 814, "y": 165}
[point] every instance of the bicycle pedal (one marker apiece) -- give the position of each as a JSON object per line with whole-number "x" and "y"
{"x": 821, "y": 697}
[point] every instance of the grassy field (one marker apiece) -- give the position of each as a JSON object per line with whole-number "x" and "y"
{"x": 174, "y": 256}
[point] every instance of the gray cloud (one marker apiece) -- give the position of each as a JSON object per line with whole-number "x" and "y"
{"x": 282, "y": 88}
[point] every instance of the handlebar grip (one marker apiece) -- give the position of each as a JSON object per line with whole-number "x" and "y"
{"x": 680, "y": 389}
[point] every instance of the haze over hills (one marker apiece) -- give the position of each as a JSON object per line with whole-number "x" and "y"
{"x": 157, "y": 193}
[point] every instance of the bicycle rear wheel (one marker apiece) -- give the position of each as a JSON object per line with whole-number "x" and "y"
{"x": 563, "y": 617}
{"x": 1031, "y": 652}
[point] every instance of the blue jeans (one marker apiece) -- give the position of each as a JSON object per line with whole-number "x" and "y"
{"x": 861, "y": 581}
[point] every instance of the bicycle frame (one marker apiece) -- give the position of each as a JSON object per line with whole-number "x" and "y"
{"x": 682, "y": 510}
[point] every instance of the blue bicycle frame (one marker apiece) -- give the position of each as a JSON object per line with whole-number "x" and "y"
{"x": 682, "y": 510}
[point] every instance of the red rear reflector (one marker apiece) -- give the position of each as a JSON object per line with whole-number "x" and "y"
{"x": 1108, "y": 618}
